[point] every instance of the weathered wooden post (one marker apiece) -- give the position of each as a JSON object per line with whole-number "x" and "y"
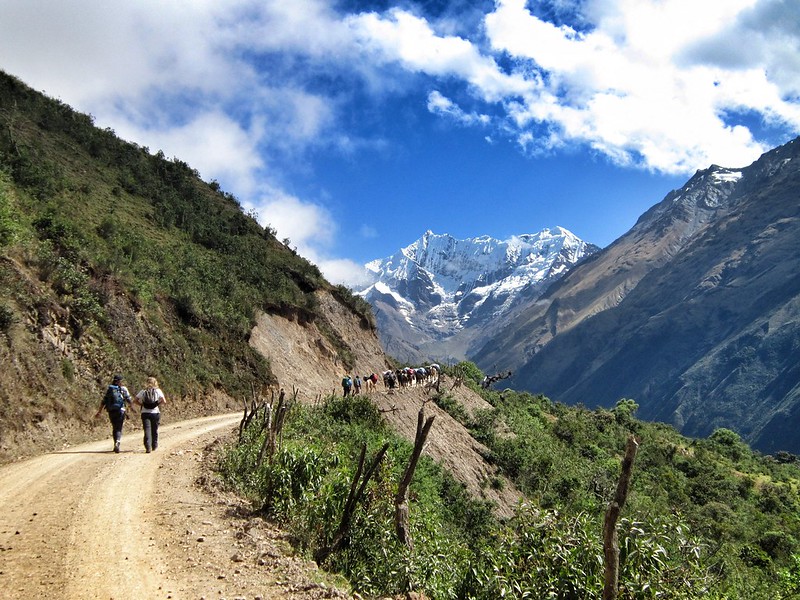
{"x": 610, "y": 540}
{"x": 401, "y": 498}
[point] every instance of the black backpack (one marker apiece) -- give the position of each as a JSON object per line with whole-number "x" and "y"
{"x": 150, "y": 399}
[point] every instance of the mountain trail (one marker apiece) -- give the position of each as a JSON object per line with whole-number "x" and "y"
{"x": 85, "y": 523}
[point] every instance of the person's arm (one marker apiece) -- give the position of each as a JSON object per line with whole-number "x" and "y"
{"x": 162, "y": 399}
{"x": 101, "y": 407}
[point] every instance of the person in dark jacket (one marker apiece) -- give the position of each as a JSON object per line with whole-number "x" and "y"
{"x": 114, "y": 402}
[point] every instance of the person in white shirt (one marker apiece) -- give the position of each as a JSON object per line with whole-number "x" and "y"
{"x": 150, "y": 399}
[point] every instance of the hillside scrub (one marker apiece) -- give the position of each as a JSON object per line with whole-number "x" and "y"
{"x": 113, "y": 258}
{"x": 460, "y": 550}
{"x": 705, "y": 518}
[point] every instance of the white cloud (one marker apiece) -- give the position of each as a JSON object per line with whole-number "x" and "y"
{"x": 438, "y": 104}
{"x": 236, "y": 87}
{"x": 344, "y": 271}
{"x": 307, "y": 225}
{"x": 412, "y": 42}
{"x": 628, "y": 89}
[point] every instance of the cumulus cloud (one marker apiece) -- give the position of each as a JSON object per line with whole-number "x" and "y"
{"x": 411, "y": 41}
{"x": 305, "y": 224}
{"x": 235, "y": 88}
{"x": 344, "y": 271}
{"x": 640, "y": 85}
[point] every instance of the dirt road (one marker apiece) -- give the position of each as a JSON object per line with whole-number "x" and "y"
{"x": 85, "y": 523}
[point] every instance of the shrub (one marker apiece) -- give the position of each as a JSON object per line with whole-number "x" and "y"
{"x": 452, "y": 407}
{"x": 7, "y": 318}
{"x": 468, "y": 371}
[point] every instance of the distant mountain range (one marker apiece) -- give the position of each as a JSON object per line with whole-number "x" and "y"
{"x": 435, "y": 297}
{"x": 694, "y": 313}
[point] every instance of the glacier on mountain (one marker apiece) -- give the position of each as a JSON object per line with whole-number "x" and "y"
{"x": 441, "y": 285}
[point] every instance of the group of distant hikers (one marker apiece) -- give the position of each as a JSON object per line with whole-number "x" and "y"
{"x": 399, "y": 378}
{"x": 117, "y": 400}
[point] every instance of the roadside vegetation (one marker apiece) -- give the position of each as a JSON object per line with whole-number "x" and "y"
{"x": 705, "y": 518}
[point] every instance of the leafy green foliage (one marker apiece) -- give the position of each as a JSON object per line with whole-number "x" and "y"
{"x": 109, "y": 220}
{"x": 9, "y": 227}
{"x": 467, "y": 371}
{"x": 694, "y": 525}
{"x": 739, "y": 510}
{"x": 306, "y": 484}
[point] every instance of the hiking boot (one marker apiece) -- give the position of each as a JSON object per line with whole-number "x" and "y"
{"x": 116, "y": 446}
{"x": 147, "y": 450}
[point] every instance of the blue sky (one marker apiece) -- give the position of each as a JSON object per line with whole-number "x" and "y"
{"x": 352, "y": 127}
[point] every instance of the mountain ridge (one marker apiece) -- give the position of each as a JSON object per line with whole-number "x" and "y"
{"x": 659, "y": 314}
{"x": 433, "y": 297}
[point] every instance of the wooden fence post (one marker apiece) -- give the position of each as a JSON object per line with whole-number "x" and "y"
{"x": 401, "y": 523}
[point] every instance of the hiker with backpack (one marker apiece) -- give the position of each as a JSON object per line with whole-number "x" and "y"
{"x": 347, "y": 384}
{"x": 150, "y": 399}
{"x": 114, "y": 401}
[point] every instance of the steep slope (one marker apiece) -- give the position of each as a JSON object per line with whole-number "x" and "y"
{"x": 606, "y": 277}
{"x": 693, "y": 313}
{"x": 116, "y": 259}
{"x": 433, "y": 298}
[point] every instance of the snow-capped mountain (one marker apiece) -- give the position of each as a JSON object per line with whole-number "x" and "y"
{"x": 432, "y": 297}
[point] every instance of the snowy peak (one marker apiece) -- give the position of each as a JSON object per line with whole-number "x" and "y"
{"x": 455, "y": 264}
{"x": 441, "y": 285}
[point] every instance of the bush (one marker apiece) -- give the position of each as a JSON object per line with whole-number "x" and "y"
{"x": 452, "y": 407}
{"x": 7, "y": 318}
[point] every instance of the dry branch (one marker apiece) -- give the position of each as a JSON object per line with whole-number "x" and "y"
{"x": 610, "y": 539}
{"x": 353, "y": 498}
{"x": 401, "y": 521}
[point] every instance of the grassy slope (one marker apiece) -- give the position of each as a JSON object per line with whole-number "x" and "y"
{"x": 115, "y": 259}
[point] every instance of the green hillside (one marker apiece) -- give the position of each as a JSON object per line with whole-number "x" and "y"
{"x": 116, "y": 259}
{"x": 705, "y": 518}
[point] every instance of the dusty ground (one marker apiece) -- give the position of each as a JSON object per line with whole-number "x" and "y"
{"x": 84, "y": 523}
